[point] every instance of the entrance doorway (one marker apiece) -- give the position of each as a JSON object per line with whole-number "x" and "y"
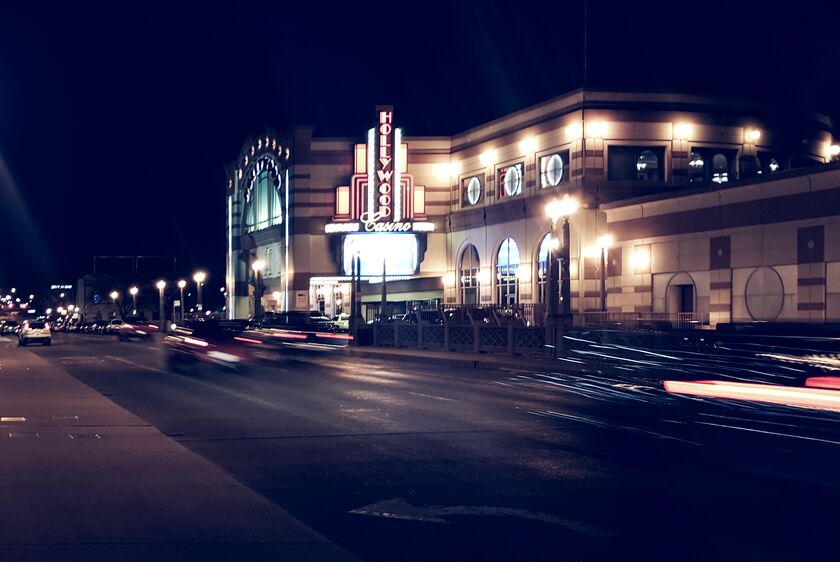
{"x": 681, "y": 295}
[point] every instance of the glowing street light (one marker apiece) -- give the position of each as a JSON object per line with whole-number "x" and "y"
{"x": 181, "y": 285}
{"x": 133, "y": 292}
{"x": 161, "y": 285}
{"x": 199, "y": 279}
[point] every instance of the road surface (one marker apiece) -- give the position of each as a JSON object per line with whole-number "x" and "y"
{"x": 400, "y": 460}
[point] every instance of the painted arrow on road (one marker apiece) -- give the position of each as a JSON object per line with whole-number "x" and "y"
{"x": 398, "y": 508}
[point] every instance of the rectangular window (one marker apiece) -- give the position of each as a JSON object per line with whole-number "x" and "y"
{"x": 268, "y": 262}
{"x": 419, "y": 200}
{"x": 636, "y": 163}
{"x": 360, "y": 165}
{"x": 342, "y": 201}
{"x": 711, "y": 165}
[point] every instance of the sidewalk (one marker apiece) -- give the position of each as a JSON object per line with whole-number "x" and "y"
{"x": 83, "y": 479}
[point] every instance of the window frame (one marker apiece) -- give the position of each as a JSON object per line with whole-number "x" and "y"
{"x": 660, "y": 150}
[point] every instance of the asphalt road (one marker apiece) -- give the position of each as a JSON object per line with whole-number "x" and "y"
{"x": 403, "y": 460}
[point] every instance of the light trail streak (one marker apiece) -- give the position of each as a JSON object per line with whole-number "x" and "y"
{"x": 814, "y": 398}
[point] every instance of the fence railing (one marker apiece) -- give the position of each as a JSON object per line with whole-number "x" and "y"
{"x": 532, "y": 315}
{"x": 458, "y": 337}
{"x": 522, "y": 315}
{"x": 504, "y": 329}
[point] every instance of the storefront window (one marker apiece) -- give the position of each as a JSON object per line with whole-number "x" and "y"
{"x": 507, "y": 263}
{"x": 468, "y": 275}
{"x": 542, "y": 267}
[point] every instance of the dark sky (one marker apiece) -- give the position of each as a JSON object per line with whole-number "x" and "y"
{"x": 116, "y": 121}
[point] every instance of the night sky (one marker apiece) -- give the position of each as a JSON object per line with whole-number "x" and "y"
{"x": 116, "y": 121}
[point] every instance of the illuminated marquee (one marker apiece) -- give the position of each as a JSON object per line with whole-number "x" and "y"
{"x": 382, "y": 197}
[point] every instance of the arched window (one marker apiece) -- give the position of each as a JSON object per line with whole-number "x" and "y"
{"x": 263, "y": 207}
{"x": 720, "y": 168}
{"x": 507, "y": 262}
{"x": 542, "y": 267}
{"x": 647, "y": 166}
{"x": 468, "y": 275}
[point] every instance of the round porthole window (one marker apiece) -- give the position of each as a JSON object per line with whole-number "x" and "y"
{"x": 513, "y": 181}
{"x": 473, "y": 190}
{"x": 553, "y": 171}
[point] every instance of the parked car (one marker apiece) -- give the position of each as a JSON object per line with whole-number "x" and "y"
{"x": 341, "y": 322}
{"x": 295, "y": 320}
{"x": 10, "y": 327}
{"x": 34, "y": 331}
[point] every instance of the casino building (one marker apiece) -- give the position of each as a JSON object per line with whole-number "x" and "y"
{"x": 721, "y": 209}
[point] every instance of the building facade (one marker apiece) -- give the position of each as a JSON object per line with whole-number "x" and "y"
{"x": 718, "y": 208}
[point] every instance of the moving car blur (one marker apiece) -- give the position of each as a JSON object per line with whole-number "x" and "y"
{"x": 209, "y": 342}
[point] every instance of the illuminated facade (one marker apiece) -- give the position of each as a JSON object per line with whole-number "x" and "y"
{"x": 718, "y": 208}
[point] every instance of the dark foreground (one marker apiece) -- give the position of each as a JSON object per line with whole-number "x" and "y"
{"x": 403, "y": 460}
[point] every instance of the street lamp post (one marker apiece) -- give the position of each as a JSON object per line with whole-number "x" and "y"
{"x": 199, "y": 279}
{"x": 258, "y": 267}
{"x": 114, "y": 296}
{"x": 559, "y": 317}
{"x": 133, "y": 291}
{"x": 604, "y": 243}
{"x": 161, "y": 285}
{"x": 181, "y": 285}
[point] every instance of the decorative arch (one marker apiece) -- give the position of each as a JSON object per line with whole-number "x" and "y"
{"x": 263, "y": 206}
{"x": 679, "y": 299}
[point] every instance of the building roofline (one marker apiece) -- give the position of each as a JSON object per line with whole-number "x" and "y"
{"x": 629, "y": 100}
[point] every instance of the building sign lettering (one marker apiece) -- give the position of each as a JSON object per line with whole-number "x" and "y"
{"x": 385, "y": 164}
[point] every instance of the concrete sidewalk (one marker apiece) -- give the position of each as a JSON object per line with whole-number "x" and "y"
{"x": 83, "y": 479}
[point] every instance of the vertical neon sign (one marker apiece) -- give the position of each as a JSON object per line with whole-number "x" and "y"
{"x": 397, "y": 170}
{"x": 385, "y": 163}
